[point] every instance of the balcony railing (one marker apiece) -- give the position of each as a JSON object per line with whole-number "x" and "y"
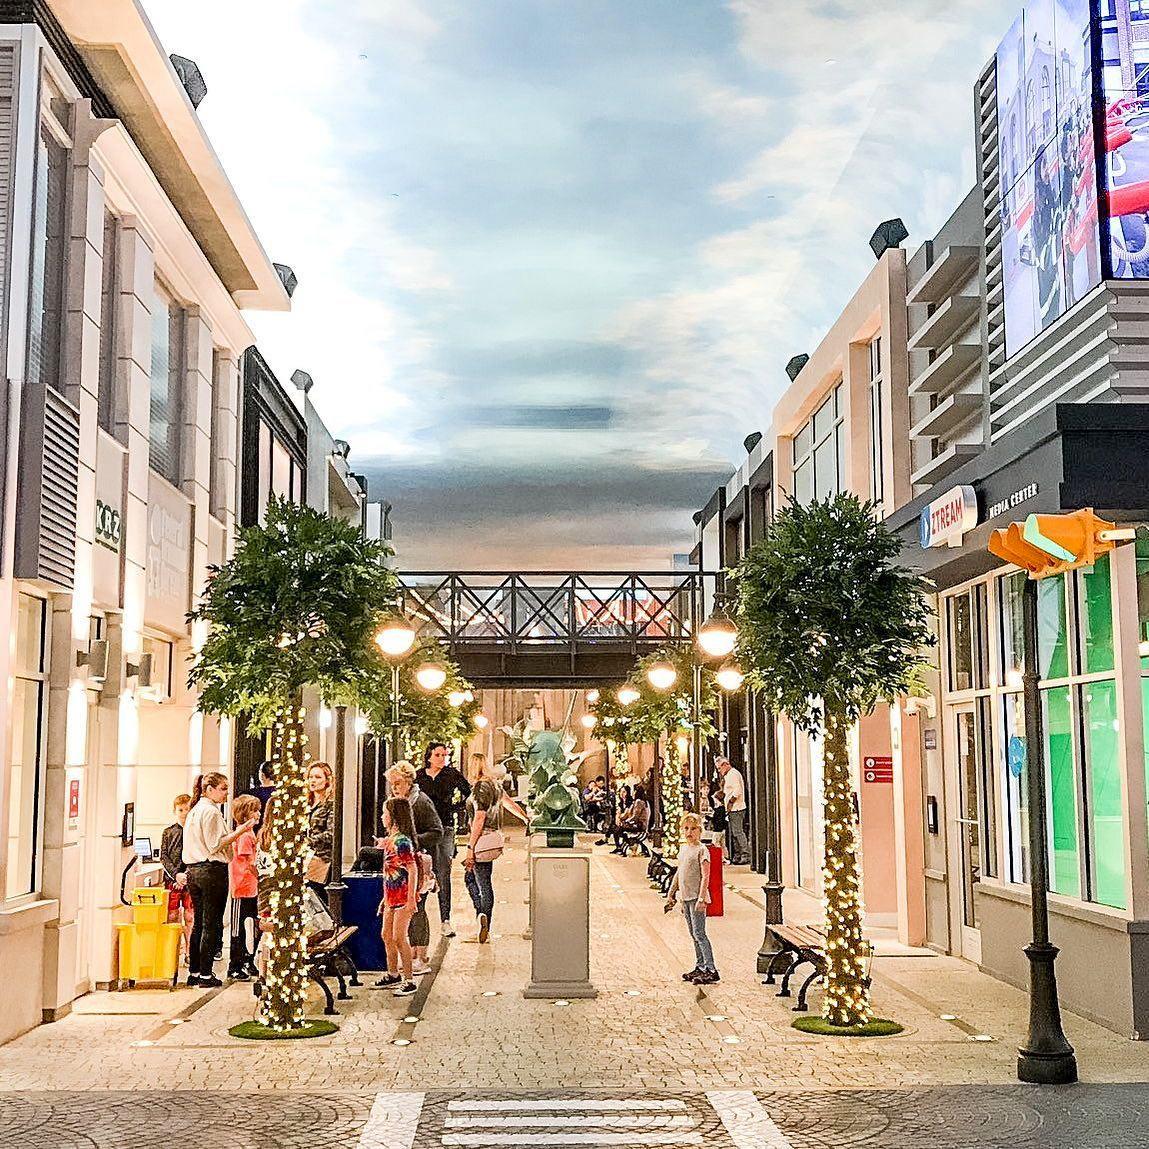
{"x": 514, "y": 610}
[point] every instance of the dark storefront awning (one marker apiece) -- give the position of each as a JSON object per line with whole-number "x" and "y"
{"x": 1068, "y": 456}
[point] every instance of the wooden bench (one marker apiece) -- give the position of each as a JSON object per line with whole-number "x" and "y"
{"x": 328, "y": 957}
{"x": 801, "y": 945}
{"x": 633, "y": 839}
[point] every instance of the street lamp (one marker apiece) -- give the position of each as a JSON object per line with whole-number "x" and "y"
{"x": 395, "y": 638}
{"x": 589, "y": 721}
{"x": 718, "y": 634}
{"x": 626, "y": 695}
{"x": 482, "y": 721}
{"x": 430, "y": 676}
{"x": 456, "y": 698}
{"x": 662, "y": 676}
{"x": 730, "y": 676}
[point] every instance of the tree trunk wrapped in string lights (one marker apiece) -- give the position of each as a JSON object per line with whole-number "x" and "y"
{"x": 670, "y": 791}
{"x": 282, "y": 1005}
{"x": 298, "y": 604}
{"x": 846, "y": 1001}
{"x": 828, "y": 626}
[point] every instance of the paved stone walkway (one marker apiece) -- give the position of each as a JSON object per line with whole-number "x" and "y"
{"x": 105, "y": 1076}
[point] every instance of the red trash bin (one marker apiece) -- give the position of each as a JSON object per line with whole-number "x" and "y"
{"x": 714, "y": 909}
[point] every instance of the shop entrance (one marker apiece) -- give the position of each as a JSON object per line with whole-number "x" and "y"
{"x": 966, "y": 846}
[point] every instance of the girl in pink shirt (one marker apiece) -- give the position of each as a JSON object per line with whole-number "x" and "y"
{"x": 244, "y": 892}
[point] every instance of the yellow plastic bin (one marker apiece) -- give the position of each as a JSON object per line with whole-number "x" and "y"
{"x": 149, "y": 944}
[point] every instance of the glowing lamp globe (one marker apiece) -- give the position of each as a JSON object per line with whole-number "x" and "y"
{"x": 456, "y": 698}
{"x": 717, "y": 635}
{"x": 589, "y": 721}
{"x": 396, "y": 637}
{"x": 662, "y": 676}
{"x": 430, "y": 676}
{"x": 682, "y": 745}
{"x": 482, "y": 721}
{"x": 730, "y": 676}
{"x": 592, "y": 696}
{"x": 626, "y": 695}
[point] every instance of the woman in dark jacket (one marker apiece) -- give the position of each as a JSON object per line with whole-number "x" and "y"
{"x": 429, "y": 832}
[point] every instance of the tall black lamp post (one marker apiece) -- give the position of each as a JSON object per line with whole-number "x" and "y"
{"x": 1047, "y": 1058}
{"x": 335, "y": 884}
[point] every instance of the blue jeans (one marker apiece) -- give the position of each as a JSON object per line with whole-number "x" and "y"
{"x": 695, "y": 914}
{"x": 479, "y": 886}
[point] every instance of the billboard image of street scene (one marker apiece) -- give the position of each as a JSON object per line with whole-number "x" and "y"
{"x": 1124, "y": 26}
{"x": 1051, "y": 244}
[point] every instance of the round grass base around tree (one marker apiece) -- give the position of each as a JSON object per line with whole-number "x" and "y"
{"x": 257, "y": 1031}
{"x": 875, "y": 1027}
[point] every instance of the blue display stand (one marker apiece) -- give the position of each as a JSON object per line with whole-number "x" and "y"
{"x": 361, "y": 908}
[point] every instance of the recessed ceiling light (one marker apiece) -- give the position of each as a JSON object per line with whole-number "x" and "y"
{"x": 634, "y": 993}
{"x": 176, "y": 1020}
{"x": 490, "y": 993}
{"x": 561, "y": 1001}
{"x": 716, "y": 1017}
{"x": 138, "y": 1043}
{"x": 410, "y": 1019}
{"x": 981, "y": 1037}
{"x": 730, "y": 1039}
{"x": 401, "y": 1041}
{"x": 948, "y": 1016}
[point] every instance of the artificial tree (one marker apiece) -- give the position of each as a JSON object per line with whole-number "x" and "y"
{"x": 296, "y": 605}
{"x": 661, "y": 714}
{"x": 829, "y": 625}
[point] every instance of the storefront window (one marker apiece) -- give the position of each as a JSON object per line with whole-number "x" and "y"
{"x": 1052, "y": 642}
{"x": 1096, "y": 617}
{"x": 1061, "y": 792}
{"x": 1013, "y": 790}
{"x": 1107, "y": 826}
{"x": 960, "y": 642}
{"x": 1010, "y": 590}
{"x": 1142, "y": 545}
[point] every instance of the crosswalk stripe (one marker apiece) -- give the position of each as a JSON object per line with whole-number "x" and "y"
{"x": 747, "y": 1123}
{"x": 652, "y": 1121}
{"x": 561, "y": 1103}
{"x": 392, "y": 1122}
{"x": 495, "y": 1137}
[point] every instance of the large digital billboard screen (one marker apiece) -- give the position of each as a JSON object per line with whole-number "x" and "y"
{"x": 1124, "y": 27}
{"x": 1051, "y": 245}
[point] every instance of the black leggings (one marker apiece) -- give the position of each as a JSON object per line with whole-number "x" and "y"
{"x": 243, "y": 910}
{"x": 207, "y": 882}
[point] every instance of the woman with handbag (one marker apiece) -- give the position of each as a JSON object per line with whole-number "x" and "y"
{"x": 485, "y": 843}
{"x": 320, "y": 827}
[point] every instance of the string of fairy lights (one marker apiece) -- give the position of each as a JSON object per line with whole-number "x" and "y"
{"x": 285, "y": 983}
{"x": 670, "y": 785}
{"x": 846, "y": 998}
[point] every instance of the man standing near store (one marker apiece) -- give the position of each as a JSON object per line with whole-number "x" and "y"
{"x": 449, "y": 791}
{"x": 734, "y": 799}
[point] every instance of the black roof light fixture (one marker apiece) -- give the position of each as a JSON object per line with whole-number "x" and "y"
{"x": 752, "y": 440}
{"x": 794, "y": 367}
{"x": 287, "y": 278}
{"x": 302, "y": 380}
{"x": 340, "y": 448}
{"x": 889, "y": 234}
{"x": 191, "y": 78}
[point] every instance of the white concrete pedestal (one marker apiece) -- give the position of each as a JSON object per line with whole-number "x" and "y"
{"x": 560, "y": 924}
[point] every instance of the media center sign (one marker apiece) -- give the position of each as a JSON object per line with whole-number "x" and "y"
{"x": 944, "y": 521}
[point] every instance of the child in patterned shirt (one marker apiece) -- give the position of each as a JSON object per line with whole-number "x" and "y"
{"x": 400, "y": 894}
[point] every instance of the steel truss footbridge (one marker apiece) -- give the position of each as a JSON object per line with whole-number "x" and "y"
{"x": 555, "y": 628}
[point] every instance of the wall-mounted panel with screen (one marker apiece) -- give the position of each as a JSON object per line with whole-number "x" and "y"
{"x": 1051, "y": 245}
{"x": 1124, "y": 27}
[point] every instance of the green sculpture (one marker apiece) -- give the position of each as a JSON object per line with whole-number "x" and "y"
{"x": 545, "y": 757}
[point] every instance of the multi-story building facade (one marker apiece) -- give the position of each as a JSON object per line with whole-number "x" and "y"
{"x": 1013, "y": 377}
{"x": 127, "y": 259}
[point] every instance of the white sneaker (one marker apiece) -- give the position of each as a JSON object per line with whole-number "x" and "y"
{"x": 448, "y": 930}
{"x": 419, "y": 968}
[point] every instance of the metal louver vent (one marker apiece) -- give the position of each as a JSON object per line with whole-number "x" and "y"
{"x": 49, "y": 475}
{"x": 989, "y": 176}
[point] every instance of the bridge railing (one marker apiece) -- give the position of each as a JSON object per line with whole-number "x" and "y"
{"x": 533, "y": 609}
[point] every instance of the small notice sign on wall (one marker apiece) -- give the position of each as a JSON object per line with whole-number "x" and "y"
{"x": 878, "y": 769}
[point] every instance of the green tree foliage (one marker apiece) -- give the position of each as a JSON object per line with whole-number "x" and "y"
{"x": 424, "y": 717}
{"x": 296, "y": 605}
{"x": 829, "y": 625}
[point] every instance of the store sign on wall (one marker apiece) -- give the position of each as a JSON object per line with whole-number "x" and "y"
{"x": 109, "y": 526}
{"x": 1015, "y": 500}
{"x": 878, "y": 769}
{"x": 945, "y": 520}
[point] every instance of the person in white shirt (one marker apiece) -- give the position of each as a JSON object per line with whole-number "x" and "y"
{"x": 734, "y": 799}
{"x": 206, "y": 850}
